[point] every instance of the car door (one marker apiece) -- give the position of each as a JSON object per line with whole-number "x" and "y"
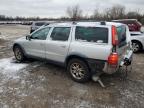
{"x": 35, "y": 46}
{"x": 58, "y": 44}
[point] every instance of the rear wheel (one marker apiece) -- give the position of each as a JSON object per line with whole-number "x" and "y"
{"x": 78, "y": 70}
{"x": 19, "y": 55}
{"x": 136, "y": 46}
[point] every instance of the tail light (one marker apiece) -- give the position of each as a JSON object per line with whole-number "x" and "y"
{"x": 114, "y": 36}
{"x": 113, "y": 59}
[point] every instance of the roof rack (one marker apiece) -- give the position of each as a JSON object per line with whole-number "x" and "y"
{"x": 74, "y": 22}
{"x": 103, "y": 23}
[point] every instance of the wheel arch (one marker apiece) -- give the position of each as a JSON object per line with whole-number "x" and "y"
{"x": 76, "y": 56}
{"x": 16, "y": 44}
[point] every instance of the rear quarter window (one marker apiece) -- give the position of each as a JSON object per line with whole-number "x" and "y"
{"x": 121, "y": 31}
{"x": 91, "y": 34}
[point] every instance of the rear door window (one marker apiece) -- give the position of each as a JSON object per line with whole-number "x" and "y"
{"x": 121, "y": 31}
{"x": 91, "y": 34}
{"x": 60, "y": 33}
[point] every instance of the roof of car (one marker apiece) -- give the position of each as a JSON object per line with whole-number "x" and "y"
{"x": 93, "y": 24}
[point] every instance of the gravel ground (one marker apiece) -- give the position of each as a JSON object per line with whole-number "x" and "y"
{"x": 36, "y": 84}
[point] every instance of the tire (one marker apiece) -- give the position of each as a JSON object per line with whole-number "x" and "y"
{"x": 19, "y": 55}
{"x": 136, "y": 46}
{"x": 78, "y": 70}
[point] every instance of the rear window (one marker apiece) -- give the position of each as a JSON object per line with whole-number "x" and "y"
{"x": 121, "y": 30}
{"x": 39, "y": 23}
{"x": 92, "y": 34}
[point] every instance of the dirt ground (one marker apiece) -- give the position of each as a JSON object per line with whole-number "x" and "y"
{"x": 36, "y": 84}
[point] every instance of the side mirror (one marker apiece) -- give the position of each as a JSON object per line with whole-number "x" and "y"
{"x": 28, "y": 37}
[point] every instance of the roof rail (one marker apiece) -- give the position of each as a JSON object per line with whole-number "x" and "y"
{"x": 74, "y": 22}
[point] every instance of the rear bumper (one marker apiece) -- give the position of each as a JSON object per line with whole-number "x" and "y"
{"x": 101, "y": 66}
{"x": 125, "y": 61}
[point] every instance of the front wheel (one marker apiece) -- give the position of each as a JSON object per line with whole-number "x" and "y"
{"x": 78, "y": 71}
{"x": 19, "y": 55}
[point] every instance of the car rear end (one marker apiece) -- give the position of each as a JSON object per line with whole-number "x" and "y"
{"x": 104, "y": 46}
{"x": 121, "y": 53}
{"x": 101, "y": 48}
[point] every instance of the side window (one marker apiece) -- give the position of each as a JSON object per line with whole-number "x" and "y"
{"x": 41, "y": 34}
{"x": 121, "y": 31}
{"x": 91, "y": 34}
{"x": 60, "y": 33}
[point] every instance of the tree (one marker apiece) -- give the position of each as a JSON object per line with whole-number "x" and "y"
{"x": 2, "y": 17}
{"x": 97, "y": 15}
{"x": 116, "y": 12}
{"x": 134, "y": 15}
{"x": 74, "y": 12}
{"x": 142, "y": 21}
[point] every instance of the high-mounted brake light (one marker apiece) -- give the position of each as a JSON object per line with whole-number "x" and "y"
{"x": 113, "y": 59}
{"x": 114, "y": 36}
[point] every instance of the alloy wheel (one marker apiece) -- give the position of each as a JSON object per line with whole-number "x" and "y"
{"x": 18, "y": 54}
{"x": 77, "y": 70}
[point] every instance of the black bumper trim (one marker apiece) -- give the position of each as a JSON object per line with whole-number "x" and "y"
{"x": 96, "y": 66}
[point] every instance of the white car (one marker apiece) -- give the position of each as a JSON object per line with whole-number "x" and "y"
{"x": 137, "y": 42}
{"x": 84, "y": 48}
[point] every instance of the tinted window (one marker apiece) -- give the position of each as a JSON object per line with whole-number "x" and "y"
{"x": 41, "y": 34}
{"x": 60, "y": 33}
{"x": 40, "y": 23}
{"x": 92, "y": 34}
{"x": 121, "y": 35}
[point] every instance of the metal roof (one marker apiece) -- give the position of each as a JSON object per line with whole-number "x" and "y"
{"x": 86, "y": 24}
